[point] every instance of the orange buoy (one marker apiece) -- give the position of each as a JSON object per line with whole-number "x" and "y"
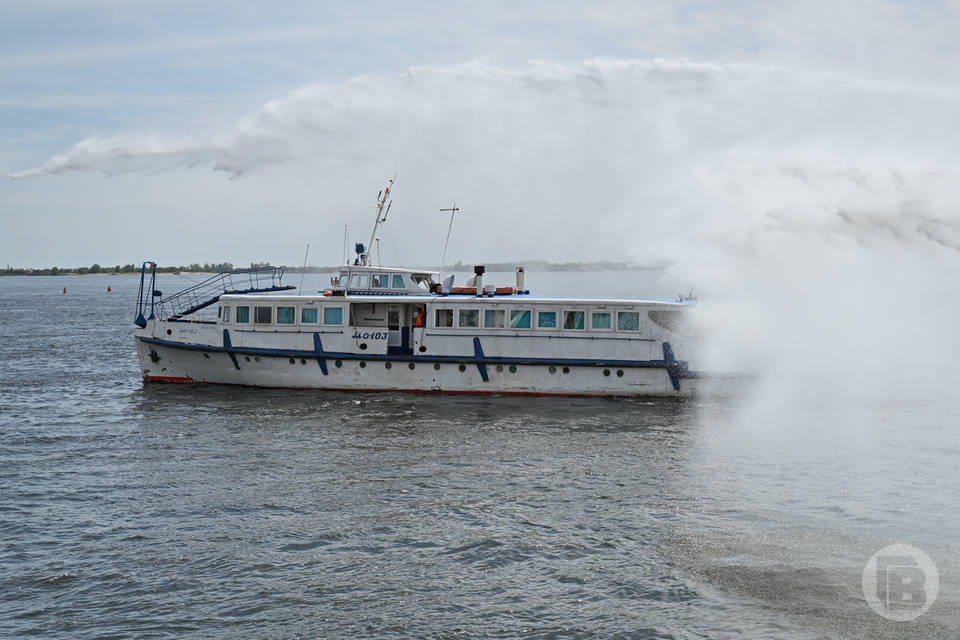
{"x": 64, "y": 289}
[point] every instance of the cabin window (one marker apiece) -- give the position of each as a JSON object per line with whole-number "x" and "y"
{"x": 628, "y": 321}
{"x": 600, "y": 320}
{"x": 359, "y": 280}
{"x": 493, "y": 318}
{"x": 226, "y": 314}
{"x": 398, "y": 282}
{"x": 547, "y": 320}
{"x": 669, "y": 320}
{"x": 286, "y": 315}
{"x": 444, "y": 318}
{"x": 243, "y": 315}
{"x": 308, "y": 316}
{"x": 381, "y": 281}
{"x": 332, "y": 316}
{"x": 262, "y": 315}
{"x": 573, "y": 320}
{"x": 342, "y": 282}
{"x": 520, "y": 319}
{"x": 469, "y": 317}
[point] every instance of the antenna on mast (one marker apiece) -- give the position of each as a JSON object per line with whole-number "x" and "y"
{"x": 383, "y": 208}
{"x": 452, "y": 211}
{"x": 304, "y": 269}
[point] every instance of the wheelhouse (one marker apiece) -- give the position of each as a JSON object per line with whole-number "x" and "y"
{"x": 370, "y": 280}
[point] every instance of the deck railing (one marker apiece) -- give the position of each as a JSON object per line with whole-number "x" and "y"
{"x": 203, "y": 294}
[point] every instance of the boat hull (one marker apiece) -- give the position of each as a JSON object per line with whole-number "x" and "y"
{"x": 164, "y": 361}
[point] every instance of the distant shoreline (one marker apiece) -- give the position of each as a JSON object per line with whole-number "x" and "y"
{"x": 208, "y": 269}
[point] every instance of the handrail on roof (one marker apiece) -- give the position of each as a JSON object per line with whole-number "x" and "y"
{"x": 205, "y": 293}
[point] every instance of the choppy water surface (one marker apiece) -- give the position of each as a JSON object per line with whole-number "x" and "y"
{"x": 169, "y": 511}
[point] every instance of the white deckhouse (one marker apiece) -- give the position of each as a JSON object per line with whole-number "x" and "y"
{"x": 391, "y": 329}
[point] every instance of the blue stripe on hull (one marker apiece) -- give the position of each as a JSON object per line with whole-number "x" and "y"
{"x": 676, "y": 368}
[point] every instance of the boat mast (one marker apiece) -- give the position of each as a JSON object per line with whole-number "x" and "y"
{"x": 382, "y": 201}
{"x": 452, "y": 211}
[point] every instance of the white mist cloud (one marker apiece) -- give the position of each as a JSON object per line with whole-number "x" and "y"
{"x": 819, "y": 212}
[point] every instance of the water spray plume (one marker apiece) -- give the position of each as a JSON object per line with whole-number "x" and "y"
{"x": 817, "y": 213}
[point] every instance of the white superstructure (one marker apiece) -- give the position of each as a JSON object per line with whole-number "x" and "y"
{"x": 392, "y": 329}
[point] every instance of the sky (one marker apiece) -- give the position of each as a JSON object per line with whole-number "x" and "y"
{"x": 795, "y": 162}
{"x": 241, "y": 131}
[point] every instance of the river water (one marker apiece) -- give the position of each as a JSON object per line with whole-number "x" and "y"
{"x": 188, "y": 511}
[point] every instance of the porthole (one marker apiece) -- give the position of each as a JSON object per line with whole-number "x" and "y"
{"x": 169, "y": 332}
{"x": 363, "y": 364}
{"x": 257, "y": 358}
{"x": 207, "y": 356}
{"x": 388, "y": 365}
{"x": 463, "y": 367}
{"x": 422, "y": 349}
{"x": 553, "y": 369}
{"x": 411, "y": 366}
{"x": 513, "y": 368}
{"x": 338, "y": 363}
{"x": 499, "y": 367}
{"x": 606, "y": 372}
{"x": 303, "y": 361}
{"x": 363, "y": 346}
{"x": 619, "y": 373}
{"x": 436, "y": 365}
{"x": 566, "y": 369}
{"x": 293, "y": 361}
{"x": 247, "y": 358}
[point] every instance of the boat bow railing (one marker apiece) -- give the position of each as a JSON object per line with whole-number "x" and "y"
{"x": 202, "y": 294}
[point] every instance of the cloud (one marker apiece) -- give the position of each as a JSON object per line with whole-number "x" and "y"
{"x": 819, "y": 211}
{"x": 838, "y": 155}
{"x": 668, "y": 105}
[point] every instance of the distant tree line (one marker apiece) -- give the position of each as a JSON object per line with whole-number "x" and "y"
{"x": 95, "y": 268}
{"x": 218, "y": 267}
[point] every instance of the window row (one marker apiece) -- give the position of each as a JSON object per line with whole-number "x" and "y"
{"x": 373, "y": 281}
{"x": 332, "y": 316}
{"x": 523, "y": 319}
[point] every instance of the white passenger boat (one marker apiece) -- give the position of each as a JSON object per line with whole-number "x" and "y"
{"x": 391, "y": 329}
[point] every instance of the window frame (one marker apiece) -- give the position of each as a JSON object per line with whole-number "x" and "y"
{"x": 246, "y": 308}
{"x": 633, "y": 313}
{"x": 293, "y": 320}
{"x": 463, "y": 310}
{"x": 503, "y": 318}
{"x": 225, "y": 314}
{"x": 553, "y": 313}
{"x": 529, "y": 313}
{"x": 582, "y": 313}
{"x": 316, "y": 312}
{"x": 402, "y": 285}
{"x": 256, "y": 314}
{"x": 609, "y": 315}
{"x": 436, "y": 317}
{"x": 331, "y": 308}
